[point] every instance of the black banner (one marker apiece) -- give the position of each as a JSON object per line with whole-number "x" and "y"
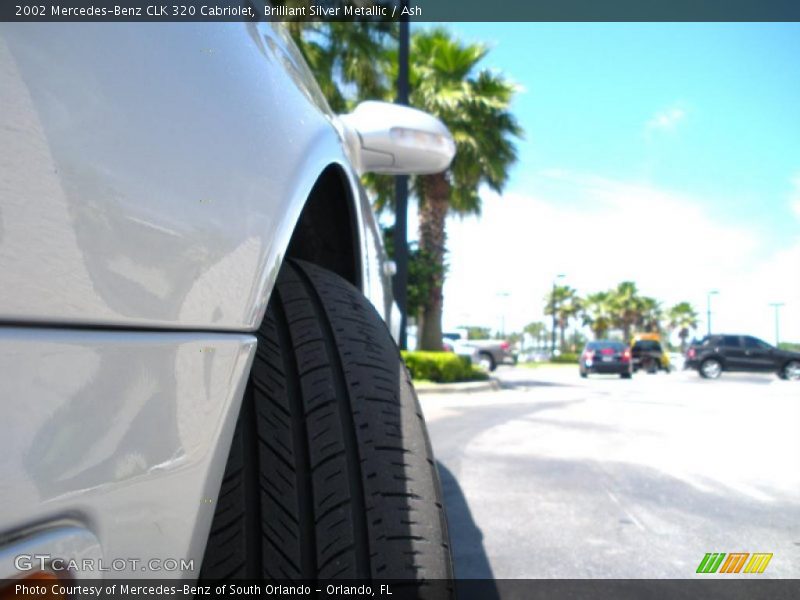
{"x": 393, "y": 10}
{"x": 725, "y": 588}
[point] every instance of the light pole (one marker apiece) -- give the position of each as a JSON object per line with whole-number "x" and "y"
{"x": 553, "y": 306}
{"x": 503, "y": 295}
{"x": 708, "y": 309}
{"x": 400, "y": 235}
{"x": 777, "y": 307}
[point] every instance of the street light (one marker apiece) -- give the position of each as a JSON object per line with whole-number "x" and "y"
{"x": 708, "y": 307}
{"x": 553, "y": 305}
{"x": 502, "y": 313}
{"x": 777, "y": 307}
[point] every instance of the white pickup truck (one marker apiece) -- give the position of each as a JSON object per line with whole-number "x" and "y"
{"x": 490, "y": 352}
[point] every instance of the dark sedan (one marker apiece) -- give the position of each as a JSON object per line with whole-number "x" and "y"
{"x": 717, "y": 353}
{"x": 604, "y": 356}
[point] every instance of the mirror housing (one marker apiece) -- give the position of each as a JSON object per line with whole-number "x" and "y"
{"x": 389, "y": 138}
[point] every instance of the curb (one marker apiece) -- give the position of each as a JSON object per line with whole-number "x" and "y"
{"x": 466, "y": 387}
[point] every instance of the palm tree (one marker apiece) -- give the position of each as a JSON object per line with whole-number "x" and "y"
{"x": 566, "y": 303}
{"x": 626, "y": 307}
{"x": 474, "y": 104}
{"x": 598, "y": 314}
{"x": 683, "y": 317}
{"x": 566, "y": 312}
{"x": 650, "y": 314}
{"x": 538, "y": 331}
{"x": 348, "y": 59}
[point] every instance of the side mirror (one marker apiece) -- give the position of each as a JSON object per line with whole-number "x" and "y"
{"x": 389, "y": 138}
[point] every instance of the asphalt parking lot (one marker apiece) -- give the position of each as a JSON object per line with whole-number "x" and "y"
{"x": 559, "y": 477}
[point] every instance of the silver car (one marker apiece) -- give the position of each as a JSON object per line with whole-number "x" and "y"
{"x": 196, "y": 373}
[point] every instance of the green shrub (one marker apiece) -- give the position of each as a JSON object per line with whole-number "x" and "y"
{"x": 566, "y": 358}
{"x": 441, "y": 367}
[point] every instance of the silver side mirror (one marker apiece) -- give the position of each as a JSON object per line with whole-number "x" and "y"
{"x": 389, "y": 138}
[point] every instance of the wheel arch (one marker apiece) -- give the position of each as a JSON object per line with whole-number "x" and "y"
{"x": 327, "y": 231}
{"x": 717, "y": 357}
{"x": 492, "y": 360}
{"x": 787, "y": 362}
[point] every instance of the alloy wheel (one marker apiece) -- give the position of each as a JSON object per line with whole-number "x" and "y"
{"x": 711, "y": 369}
{"x": 792, "y": 370}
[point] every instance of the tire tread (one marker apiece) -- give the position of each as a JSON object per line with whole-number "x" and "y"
{"x": 345, "y": 482}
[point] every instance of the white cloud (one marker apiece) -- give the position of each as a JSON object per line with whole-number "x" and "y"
{"x": 614, "y": 231}
{"x": 666, "y": 120}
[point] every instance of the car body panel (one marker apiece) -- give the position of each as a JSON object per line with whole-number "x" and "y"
{"x": 151, "y": 176}
{"x": 758, "y": 355}
{"x": 377, "y": 278}
{"x": 57, "y": 542}
{"x": 125, "y": 434}
{"x": 732, "y": 351}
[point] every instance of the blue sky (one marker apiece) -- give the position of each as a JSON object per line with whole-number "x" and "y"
{"x": 675, "y": 145}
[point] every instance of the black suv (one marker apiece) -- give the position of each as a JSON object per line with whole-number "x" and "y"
{"x": 717, "y": 353}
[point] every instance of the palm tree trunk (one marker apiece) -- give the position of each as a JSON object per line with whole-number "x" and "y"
{"x": 626, "y": 331}
{"x": 435, "y": 191}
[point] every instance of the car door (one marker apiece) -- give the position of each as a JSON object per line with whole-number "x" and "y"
{"x": 732, "y": 350}
{"x": 758, "y": 355}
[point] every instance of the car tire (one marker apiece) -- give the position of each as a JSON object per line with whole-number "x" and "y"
{"x": 625, "y": 375}
{"x": 710, "y": 368}
{"x": 487, "y": 361}
{"x": 330, "y": 473}
{"x": 791, "y": 370}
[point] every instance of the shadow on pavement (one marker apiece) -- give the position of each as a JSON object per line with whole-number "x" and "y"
{"x": 469, "y": 555}
{"x": 518, "y": 384}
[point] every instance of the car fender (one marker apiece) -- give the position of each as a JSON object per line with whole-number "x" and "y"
{"x": 715, "y": 356}
{"x": 152, "y": 176}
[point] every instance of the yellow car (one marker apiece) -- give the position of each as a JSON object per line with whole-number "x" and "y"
{"x": 648, "y": 353}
